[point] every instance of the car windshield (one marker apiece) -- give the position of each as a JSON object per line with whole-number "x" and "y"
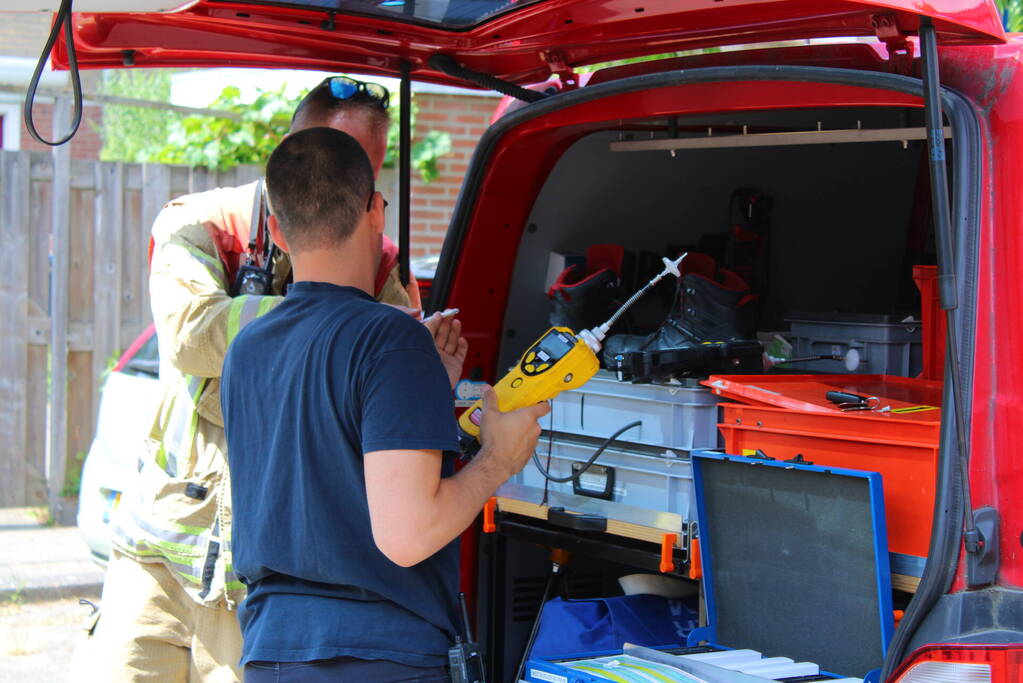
{"x": 446, "y": 13}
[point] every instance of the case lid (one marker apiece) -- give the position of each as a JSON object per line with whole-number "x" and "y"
{"x": 795, "y": 561}
{"x": 907, "y": 399}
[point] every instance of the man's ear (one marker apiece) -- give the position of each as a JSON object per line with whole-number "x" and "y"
{"x": 276, "y": 235}
{"x": 377, "y": 214}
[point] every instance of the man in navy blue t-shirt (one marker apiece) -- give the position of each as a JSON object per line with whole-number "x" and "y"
{"x": 337, "y": 411}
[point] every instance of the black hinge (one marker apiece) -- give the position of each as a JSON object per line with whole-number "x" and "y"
{"x": 982, "y": 565}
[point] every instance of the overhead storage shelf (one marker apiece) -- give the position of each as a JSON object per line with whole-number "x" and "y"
{"x": 810, "y": 137}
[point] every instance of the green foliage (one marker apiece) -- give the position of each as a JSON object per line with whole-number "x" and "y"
{"x": 17, "y": 598}
{"x": 129, "y": 133}
{"x": 42, "y": 515}
{"x": 73, "y": 479}
{"x": 152, "y": 135}
{"x": 1012, "y": 14}
{"x": 108, "y": 368}
{"x": 427, "y": 151}
{"x": 220, "y": 143}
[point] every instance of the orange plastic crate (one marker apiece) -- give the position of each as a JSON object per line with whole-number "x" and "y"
{"x": 904, "y": 452}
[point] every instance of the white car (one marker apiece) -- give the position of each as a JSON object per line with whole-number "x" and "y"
{"x": 128, "y": 402}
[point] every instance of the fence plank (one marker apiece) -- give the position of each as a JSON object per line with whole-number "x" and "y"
{"x": 107, "y": 265}
{"x": 80, "y": 410}
{"x": 201, "y": 180}
{"x": 81, "y": 379}
{"x": 83, "y": 175}
{"x": 81, "y": 256}
{"x": 132, "y": 280}
{"x": 39, "y": 218}
{"x": 156, "y": 191}
{"x": 37, "y": 407}
{"x": 133, "y": 176}
{"x": 39, "y": 338}
{"x": 14, "y": 259}
{"x": 247, "y": 174}
{"x": 61, "y": 217}
{"x": 180, "y": 181}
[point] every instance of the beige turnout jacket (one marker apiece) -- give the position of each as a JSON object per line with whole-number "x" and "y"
{"x": 179, "y": 511}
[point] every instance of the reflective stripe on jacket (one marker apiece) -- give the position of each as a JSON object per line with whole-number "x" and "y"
{"x": 178, "y": 512}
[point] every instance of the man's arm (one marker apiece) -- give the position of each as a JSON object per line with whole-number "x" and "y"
{"x": 414, "y": 512}
{"x": 195, "y": 316}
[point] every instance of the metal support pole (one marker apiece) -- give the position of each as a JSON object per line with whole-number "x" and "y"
{"x": 939, "y": 173}
{"x": 404, "y": 171}
{"x": 947, "y": 288}
{"x": 60, "y": 233}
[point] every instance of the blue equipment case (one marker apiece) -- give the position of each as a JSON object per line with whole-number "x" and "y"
{"x": 795, "y": 561}
{"x": 795, "y": 564}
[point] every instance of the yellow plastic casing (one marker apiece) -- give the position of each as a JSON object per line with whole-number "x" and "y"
{"x": 533, "y": 380}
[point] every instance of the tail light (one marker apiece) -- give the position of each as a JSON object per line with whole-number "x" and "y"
{"x": 963, "y": 664}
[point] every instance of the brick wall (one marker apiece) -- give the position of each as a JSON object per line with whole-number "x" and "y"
{"x": 86, "y": 143}
{"x": 23, "y": 34}
{"x": 465, "y": 118}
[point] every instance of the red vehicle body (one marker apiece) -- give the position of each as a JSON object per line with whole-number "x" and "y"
{"x": 946, "y": 621}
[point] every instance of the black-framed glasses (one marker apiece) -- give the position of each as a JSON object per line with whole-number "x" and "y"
{"x": 345, "y": 88}
{"x": 369, "y": 204}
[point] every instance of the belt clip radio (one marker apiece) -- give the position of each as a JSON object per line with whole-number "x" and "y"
{"x": 464, "y": 658}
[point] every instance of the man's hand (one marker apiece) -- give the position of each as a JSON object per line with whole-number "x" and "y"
{"x": 509, "y": 438}
{"x": 451, "y": 345}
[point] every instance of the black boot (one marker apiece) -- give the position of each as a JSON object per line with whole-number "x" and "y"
{"x": 581, "y": 299}
{"x": 707, "y": 310}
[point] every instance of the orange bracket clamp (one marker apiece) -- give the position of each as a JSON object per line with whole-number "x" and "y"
{"x": 667, "y": 552}
{"x": 489, "y": 525}
{"x": 695, "y": 563}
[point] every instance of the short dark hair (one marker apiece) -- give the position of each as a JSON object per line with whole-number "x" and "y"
{"x": 319, "y": 181}
{"x": 320, "y": 104}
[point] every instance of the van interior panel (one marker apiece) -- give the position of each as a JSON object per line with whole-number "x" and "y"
{"x": 841, "y": 226}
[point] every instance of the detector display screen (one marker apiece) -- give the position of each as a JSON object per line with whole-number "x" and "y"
{"x": 555, "y": 345}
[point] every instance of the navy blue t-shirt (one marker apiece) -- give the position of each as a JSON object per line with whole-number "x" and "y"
{"x": 307, "y": 389}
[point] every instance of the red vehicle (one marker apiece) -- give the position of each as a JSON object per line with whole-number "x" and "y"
{"x": 647, "y": 155}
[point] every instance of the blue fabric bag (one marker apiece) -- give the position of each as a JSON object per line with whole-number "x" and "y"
{"x": 569, "y": 627}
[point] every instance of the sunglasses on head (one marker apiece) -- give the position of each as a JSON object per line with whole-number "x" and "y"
{"x": 345, "y": 88}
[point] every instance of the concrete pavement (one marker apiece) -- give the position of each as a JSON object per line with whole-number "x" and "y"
{"x": 40, "y": 562}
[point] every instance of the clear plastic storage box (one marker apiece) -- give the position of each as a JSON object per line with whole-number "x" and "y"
{"x": 887, "y": 344}
{"x": 662, "y": 483}
{"x": 680, "y": 416}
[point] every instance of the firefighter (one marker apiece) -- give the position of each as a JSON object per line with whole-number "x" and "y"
{"x": 170, "y": 594}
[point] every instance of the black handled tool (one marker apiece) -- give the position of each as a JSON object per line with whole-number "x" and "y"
{"x": 840, "y": 397}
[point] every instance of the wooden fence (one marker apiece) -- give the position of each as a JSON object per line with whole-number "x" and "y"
{"x": 103, "y": 289}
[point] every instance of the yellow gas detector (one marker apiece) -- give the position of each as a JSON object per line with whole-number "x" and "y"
{"x": 559, "y": 360}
